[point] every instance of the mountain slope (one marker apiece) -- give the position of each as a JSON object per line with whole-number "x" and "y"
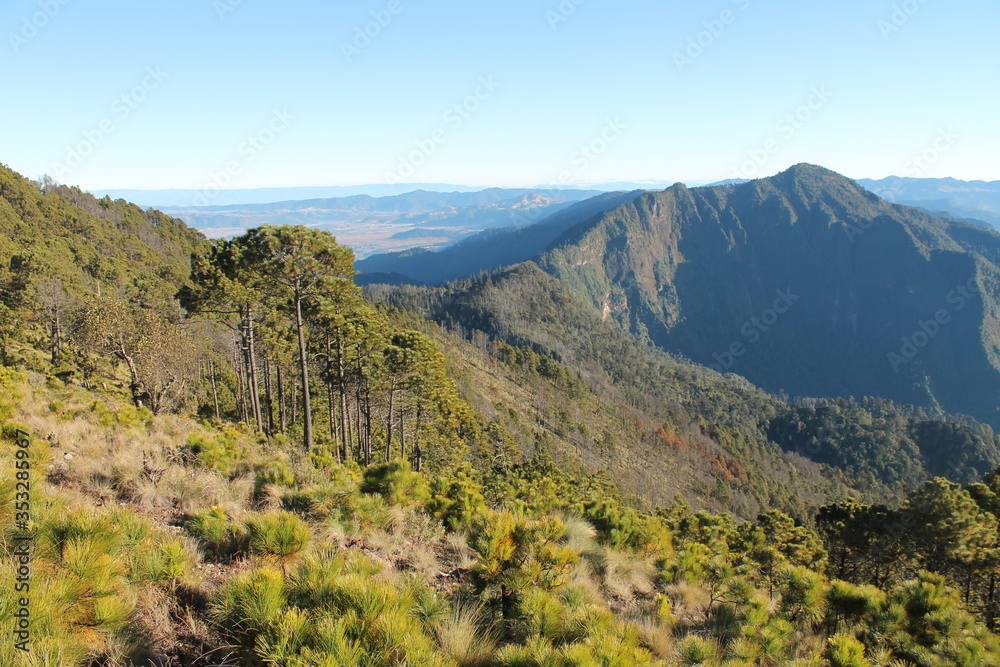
{"x": 881, "y": 447}
{"x": 804, "y": 283}
{"x": 62, "y": 234}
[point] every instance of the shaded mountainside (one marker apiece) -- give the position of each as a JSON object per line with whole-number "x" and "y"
{"x": 882, "y": 448}
{"x": 804, "y": 283}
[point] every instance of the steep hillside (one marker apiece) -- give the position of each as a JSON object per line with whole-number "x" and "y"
{"x": 881, "y": 447}
{"x": 159, "y": 540}
{"x": 804, "y": 283}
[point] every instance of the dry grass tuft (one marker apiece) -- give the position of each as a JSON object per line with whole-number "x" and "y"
{"x": 464, "y": 637}
{"x": 626, "y": 576}
{"x": 656, "y": 637}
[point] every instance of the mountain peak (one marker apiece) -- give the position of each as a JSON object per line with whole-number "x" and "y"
{"x": 814, "y": 183}
{"x": 808, "y": 171}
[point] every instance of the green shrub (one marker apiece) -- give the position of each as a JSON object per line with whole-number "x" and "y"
{"x": 852, "y": 604}
{"x": 220, "y": 450}
{"x": 456, "y": 501}
{"x": 278, "y": 535}
{"x": 248, "y": 604}
{"x": 845, "y": 651}
{"x": 273, "y": 472}
{"x": 397, "y": 483}
{"x": 695, "y": 650}
{"x": 323, "y": 457}
{"x": 214, "y": 531}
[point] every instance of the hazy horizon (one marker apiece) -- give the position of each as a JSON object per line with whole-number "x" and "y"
{"x": 210, "y": 95}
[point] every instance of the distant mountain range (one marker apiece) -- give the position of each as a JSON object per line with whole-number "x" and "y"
{"x": 805, "y": 283}
{"x": 212, "y": 196}
{"x": 411, "y": 218}
{"x": 236, "y": 197}
{"x": 372, "y": 224}
{"x": 962, "y": 200}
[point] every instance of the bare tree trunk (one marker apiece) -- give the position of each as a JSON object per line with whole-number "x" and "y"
{"x": 56, "y": 335}
{"x": 359, "y": 430}
{"x": 281, "y": 399}
{"x": 342, "y": 387}
{"x": 215, "y": 390}
{"x": 252, "y": 368}
{"x": 330, "y": 401}
{"x": 416, "y": 435}
{"x": 135, "y": 385}
{"x": 368, "y": 431}
{"x": 402, "y": 436}
{"x": 304, "y": 367}
{"x": 241, "y": 402}
{"x": 349, "y": 436}
{"x": 388, "y": 424}
{"x": 268, "y": 396}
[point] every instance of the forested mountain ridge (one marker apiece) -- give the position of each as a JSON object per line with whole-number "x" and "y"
{"x": 803, "y": 283}
{"x": 59, "y": 232}
{"x": 235, "y": 332}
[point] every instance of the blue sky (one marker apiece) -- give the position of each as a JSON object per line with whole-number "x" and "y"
{"x": 185, "y": 93}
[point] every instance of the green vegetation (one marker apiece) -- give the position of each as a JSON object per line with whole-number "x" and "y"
{"x": 274, "y": 470}
{"x": 491, "y": 568}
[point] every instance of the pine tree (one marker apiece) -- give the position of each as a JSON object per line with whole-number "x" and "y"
{"x": 297, "y": 265}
